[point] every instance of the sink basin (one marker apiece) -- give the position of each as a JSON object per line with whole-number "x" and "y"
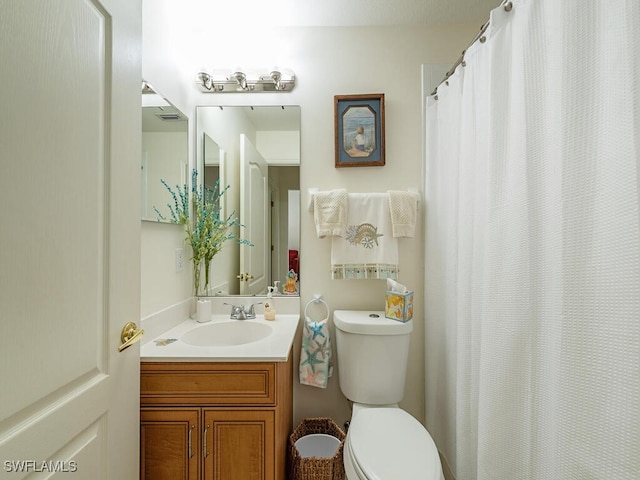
{"x": 226, "y": 334}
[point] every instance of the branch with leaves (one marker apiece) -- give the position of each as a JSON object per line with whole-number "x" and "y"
{"x": 207, "y": 231}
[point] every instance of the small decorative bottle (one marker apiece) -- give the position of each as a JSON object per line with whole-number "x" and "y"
{"x": 269, "y": 309}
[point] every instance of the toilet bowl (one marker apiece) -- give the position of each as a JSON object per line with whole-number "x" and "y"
{"x": 388, "y": 443}
{"x": 383, "y": 441}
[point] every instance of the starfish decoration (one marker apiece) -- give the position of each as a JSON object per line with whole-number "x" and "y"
{"x": 312, "y": 378}
{"x": 316, "y": 328}
{"x": 322, "y": 346}
{"x": 311, "y": 360}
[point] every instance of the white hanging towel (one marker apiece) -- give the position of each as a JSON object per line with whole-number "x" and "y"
{"x": 403, "y": 207}
{"x": 368, "y": 249}
{"x": 330, "y": 212}
{"x": 316, "y": 364}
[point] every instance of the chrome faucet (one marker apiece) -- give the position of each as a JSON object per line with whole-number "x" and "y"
{"x": 242, "y": 312}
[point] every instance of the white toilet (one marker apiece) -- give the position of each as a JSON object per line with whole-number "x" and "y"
{"x": 383, "y": 441}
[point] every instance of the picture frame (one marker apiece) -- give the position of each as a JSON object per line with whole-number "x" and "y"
{"x": 359, "y": 130}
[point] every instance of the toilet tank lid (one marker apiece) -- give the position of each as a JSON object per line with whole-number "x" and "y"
{"x": 369, "y": 322}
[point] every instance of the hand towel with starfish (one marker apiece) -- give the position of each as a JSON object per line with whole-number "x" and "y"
{"x": 316, "y": 364}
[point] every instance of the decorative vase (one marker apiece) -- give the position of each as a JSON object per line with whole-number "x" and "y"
{"x": 200, "y": 284}
{"x": 197, "y": 266}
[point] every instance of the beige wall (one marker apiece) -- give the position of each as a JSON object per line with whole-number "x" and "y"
{"x": 327, "y": 62}
{"x": 365, "y": 60}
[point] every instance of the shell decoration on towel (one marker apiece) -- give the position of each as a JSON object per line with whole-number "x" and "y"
{"x": 364, "y": 234}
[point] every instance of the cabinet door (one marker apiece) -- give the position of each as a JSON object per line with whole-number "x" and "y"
{"x": 239, "y": 444}
{"x": 169, "y": 444}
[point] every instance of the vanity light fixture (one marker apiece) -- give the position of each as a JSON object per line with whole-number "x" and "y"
{"x": 276, "y": 76}
{"x": 241, "y": 78}
{"x": 241, "y": 82}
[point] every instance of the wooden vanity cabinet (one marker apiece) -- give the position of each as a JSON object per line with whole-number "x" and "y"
{"x": 240, "y": 444}
{"x": 215, "y": 421}
{"x": 169, "y": 440}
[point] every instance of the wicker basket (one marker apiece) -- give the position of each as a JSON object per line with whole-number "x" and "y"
{"x": 315, "y": 468}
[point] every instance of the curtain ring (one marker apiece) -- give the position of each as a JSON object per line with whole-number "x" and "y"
{"x": 508, "y": 7}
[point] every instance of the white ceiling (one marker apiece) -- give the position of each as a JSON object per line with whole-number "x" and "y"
{"x": 389, "y": 12}
{"x": 323, "y": 13}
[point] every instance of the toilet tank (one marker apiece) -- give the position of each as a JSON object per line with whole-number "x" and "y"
{"x": 372, "y": 356}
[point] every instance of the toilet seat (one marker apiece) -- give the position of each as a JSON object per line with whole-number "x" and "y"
{"x": 387, "y": 444}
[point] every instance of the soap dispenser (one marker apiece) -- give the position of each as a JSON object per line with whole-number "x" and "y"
{"x": 269, "y": 309}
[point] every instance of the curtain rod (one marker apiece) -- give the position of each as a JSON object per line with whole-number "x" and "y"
{"x": 508, "y": 6}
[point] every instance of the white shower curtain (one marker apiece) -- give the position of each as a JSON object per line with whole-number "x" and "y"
{"x": 533, "y": 247}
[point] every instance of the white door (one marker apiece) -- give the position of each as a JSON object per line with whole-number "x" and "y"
{"x": 254, "y": 215}
{"x": 69, "y": 237}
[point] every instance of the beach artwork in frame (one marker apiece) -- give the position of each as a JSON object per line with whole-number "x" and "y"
{"x": 359, "y": 130}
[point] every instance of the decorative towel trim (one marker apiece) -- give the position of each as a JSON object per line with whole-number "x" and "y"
{"x": 364, "y": 271}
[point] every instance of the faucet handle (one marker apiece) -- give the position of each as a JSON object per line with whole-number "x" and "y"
{"x": 242, "y": 312}
{"x": 237, "y": 311}
{"x": 250, "y": 310}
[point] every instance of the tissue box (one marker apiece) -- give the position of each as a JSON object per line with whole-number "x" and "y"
{"x": 399, "y": 306}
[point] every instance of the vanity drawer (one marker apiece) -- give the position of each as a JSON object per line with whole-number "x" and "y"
{"x": 165, "y": 383}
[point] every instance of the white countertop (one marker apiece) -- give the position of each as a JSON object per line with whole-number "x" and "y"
{"x": 275, "y": 347}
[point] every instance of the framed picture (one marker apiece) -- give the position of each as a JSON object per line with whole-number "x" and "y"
{"x": 359, "y": 130}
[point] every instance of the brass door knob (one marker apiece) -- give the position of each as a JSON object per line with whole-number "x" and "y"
{"x": 130, "y": 335}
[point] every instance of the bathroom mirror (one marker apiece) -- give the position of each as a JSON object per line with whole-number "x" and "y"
{"x": 256, "y": 151}
{"x": 165, "y": 137}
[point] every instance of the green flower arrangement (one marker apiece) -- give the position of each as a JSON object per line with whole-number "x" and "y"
{"x": 207, "y": 232}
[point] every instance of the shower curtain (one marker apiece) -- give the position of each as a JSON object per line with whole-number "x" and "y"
{"x": 532, "y": 343}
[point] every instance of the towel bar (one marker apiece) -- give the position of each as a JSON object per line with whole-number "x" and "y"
{"x": 312, "y": 190}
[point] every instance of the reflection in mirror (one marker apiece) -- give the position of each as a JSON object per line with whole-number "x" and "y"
{"x": 164, "y": 151}
{"x": 257, "y": 153}
{"x": 213, "y": 167}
